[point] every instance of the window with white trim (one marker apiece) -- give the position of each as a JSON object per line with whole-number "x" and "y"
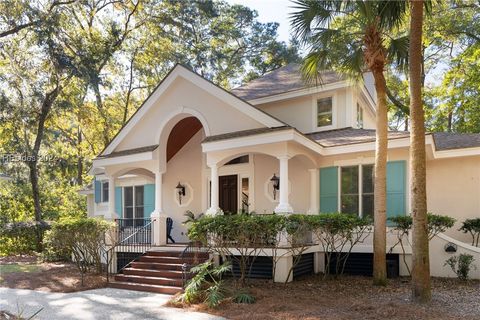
{"x": 356, "y": 190}
{"x": 359, "y": 116}
{"x": 133, "y": 206}
{"x": 324, "y": 112}
{"x": 104, "y": 193}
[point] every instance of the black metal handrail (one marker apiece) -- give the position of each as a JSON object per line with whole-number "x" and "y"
{"x": 135, "y": 240}
{"x": 195, "y": 248}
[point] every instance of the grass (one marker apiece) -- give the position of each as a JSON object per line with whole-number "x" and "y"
{"x": 14, "y": 267}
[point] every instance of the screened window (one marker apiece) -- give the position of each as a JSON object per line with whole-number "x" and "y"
{"x": 367, "y": 190}
{"x": 133, "y": 205}
{"x": 105, "y": 191}
{"x": 359, "y": 116}
{"x": 349, "y": 187}
{"x": 324, "y": 112}
{"x": 357, "y": 185}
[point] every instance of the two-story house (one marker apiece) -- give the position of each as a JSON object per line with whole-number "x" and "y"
{"x": 272, "y": 145}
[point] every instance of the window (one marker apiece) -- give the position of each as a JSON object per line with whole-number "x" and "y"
{"x": 105, "y": 191}
{"x": 357, "y": 184}
{"x": 133, "y": 205}
{"x": 359, "y": 116}
{"x": 324, "y": 112}
{"x": 349, "y": 190}
{"x": 241, "y": 159}
{"x": 245, "y": 195}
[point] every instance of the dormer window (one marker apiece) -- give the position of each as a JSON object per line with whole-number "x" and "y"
{"x": 324, "y": 112}
{"x": 359, "y": 116}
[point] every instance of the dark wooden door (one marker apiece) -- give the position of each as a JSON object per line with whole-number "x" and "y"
{"x": 228, "y": 193}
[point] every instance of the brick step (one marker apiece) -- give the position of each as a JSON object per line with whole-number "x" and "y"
{"x": 157, "y": 266}
{"x": 176, "y": 254}
{"x": 174, "y": 260}
{"x": 172, "y": 274}
{"x": 175, "y": 282}
{"x": 146, "y": 287}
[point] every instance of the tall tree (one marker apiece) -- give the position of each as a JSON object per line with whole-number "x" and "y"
{"x": 353, "y": 37}
{"x": 420, "y": 252}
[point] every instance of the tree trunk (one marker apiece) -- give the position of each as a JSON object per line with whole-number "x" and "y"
{"x": 380, "y": 195}
{"x": 420, "y": 252}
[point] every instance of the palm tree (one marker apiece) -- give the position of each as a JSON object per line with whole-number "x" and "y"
{"x": 420, "y": 253}
{"x": 353, "y": 37}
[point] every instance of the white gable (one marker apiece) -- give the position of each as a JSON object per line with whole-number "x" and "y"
{"x": 183, "y": 92}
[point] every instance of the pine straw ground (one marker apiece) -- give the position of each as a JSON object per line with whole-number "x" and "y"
{"x": 353, "y": 298}
{"x": 28, "y": 272}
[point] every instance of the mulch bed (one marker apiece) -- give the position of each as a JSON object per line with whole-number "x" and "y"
{"x": 354, "y": 298}
{"x": 48, "y": 277}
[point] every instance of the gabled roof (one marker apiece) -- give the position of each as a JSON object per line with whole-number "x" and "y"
{"x": 281, "y": 80}
{"x": 181, "y": 71}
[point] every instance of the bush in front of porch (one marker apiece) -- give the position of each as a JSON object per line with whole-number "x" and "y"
{"x": 244, "y": 237}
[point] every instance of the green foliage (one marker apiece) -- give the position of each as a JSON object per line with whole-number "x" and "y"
{"x": 206, "y": 285}
{"x": 435, "y": 224}
{"x": 84, "y": 238}
{"x": 243, "y": 297}
{"x": 461, "y": 265}
{"x": 20, "y": 237}
{"x": 472, "y": 226}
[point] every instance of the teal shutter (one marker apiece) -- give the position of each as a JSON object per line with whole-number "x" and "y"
{"x": 148, "y": 199}
{"x": 118, "y": 201}
{"x": 329, "y": 189}
{"x": 396, "y": 188}
{"x": 97, "y": 185}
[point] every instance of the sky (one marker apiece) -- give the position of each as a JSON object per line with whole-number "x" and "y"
{"x": 271, "y": 11}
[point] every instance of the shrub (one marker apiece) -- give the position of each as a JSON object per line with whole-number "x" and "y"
{"x": 206, "y": 286}
{"x": 84, "y": 238}
{"x": 472, "y": 226}
{"x": 403, "y": 225}
{"x": 461, "y": 265}
{"x": 338, "y": 233}
{"x": 21, "y": 237}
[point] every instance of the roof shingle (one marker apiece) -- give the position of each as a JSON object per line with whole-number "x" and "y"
{"x": 281, "y": 80}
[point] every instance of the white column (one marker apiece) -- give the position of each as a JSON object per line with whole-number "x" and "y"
{"x": 214, "y": 208}
{"x": 283, "y": 205}
{"x": 159, "y": 224}
{"x": 111, "y": 198}
{"x": 314, "y": 195}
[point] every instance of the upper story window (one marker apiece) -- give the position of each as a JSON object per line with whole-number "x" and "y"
{"x": 104, "y": 191}
{"x": 359, "y": 116}
{"x": 324, "y": 112}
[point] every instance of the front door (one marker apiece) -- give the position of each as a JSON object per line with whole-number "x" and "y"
{"x": 228, "y": 193}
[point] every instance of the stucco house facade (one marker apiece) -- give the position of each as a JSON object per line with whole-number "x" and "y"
{"x": 193, "y": 146}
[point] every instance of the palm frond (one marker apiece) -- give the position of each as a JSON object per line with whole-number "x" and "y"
{"x": 397, "y": 52}
{"x": 214, "y": 295}
{"x": 221, "y": 269}
{"x": 391, "y": 13}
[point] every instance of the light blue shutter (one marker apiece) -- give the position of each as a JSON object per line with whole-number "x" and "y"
{"x": 118, "y": 201}
{"x": 396, "y": 188}
{"x": 329, "y": 189}
{"x": 148, "y": 199}
{"x": 97, "y": 185}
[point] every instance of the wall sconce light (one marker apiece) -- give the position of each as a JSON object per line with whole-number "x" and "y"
{"x": 276, "y": 185}
{"x": 450, "y": 247}
{"x": 181, "y": 192}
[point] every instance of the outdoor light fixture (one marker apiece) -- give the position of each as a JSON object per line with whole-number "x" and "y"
{"x": 450, "y": 247}
{"x": 276, "y": 185}
{"x": 181, "y": 192}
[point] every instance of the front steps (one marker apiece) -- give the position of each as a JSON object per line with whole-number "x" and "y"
{"x": 157, "y": 271}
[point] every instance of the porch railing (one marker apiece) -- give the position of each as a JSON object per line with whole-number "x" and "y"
{"x": 140, "y": 227}
{"x": 133, "y": 239}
